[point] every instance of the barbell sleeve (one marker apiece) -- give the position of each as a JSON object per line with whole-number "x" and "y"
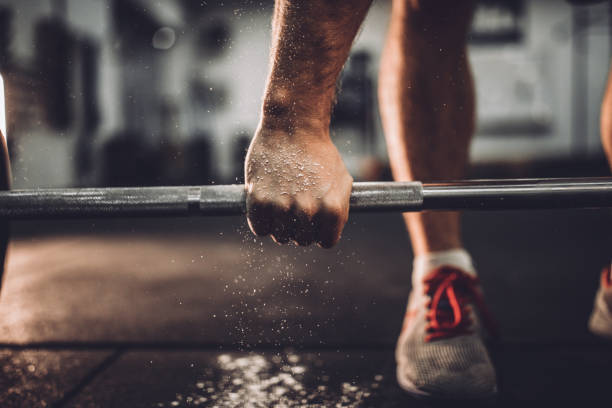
{"x": 216, "y": 200}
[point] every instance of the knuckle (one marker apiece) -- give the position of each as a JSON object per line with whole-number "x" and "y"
{"x": 331, "y": 215}
{"x": 348, "y": 180}
{"x": 255, "y": 195}
{"x": 332, "y": 205}
{"x": 306, "y": 209}
{"x": 282, "y": 205}
{"x": 257, "y": 205}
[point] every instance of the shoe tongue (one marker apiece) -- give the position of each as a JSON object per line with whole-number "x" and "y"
{"x": 444, "y": 304}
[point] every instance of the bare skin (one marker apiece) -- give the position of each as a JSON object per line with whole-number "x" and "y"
{"x": 606, "y": 120}
{"x": 426, "y": 99}
{"x": 5, "y": 184}
{"x": 298, "y": 188}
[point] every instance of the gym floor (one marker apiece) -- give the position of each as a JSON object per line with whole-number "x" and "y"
{"x": 188, "y": 312}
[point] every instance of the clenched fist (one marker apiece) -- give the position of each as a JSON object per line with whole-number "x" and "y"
{"x": 298, "y": 188}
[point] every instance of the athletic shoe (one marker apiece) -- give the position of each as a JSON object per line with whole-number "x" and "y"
{"x": 440, "y": 352}
{"x": 600, "y": 322}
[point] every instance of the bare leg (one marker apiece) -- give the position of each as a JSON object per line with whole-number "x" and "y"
{"x": 5, "y": 184}
{"x": 606, "y": 120}
{"x": 600, "y": 322}
{"x": 427, "y": 104}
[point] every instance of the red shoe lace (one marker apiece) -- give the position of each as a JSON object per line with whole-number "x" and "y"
{"x": 459, "y": 289}
{"x": 606, "y": 277}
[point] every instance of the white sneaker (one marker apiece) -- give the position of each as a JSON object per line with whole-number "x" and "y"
{"x": 600, "y": 322}
{"x": 440, "y": 352}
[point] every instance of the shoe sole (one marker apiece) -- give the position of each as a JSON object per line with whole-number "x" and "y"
{"x": 416, "y": 393}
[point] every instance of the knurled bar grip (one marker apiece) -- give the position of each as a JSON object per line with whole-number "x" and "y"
{"x": 366, "y": 196}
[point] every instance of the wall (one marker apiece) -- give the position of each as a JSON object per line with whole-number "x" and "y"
{"x": 543, "y": 63}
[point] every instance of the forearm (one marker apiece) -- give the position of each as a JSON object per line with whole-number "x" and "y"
{"x": 311, "y": 41}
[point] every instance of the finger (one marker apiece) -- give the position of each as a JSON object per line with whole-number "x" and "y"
{"x": 333, "y": 215}
{"x": 280, "y": 229}
{"x": 304, "y": 231}
{"x": 282, "y": 223}
{"x": 330, "y": 221}
{"x": 259, "y": 215}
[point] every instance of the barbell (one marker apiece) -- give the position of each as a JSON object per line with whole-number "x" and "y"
{"x": 176, "y": 201}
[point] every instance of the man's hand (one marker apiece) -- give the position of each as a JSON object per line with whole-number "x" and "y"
{"x": 298, "y": 188}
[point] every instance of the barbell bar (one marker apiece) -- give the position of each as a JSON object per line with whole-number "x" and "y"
{"x": 176, "y": 201}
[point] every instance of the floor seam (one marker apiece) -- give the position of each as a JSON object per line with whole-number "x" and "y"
{"x": 88, "y": 378}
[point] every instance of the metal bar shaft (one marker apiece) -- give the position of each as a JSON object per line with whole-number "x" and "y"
{"x": 519, "y": 194}
{"x": 370, "y": 196}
